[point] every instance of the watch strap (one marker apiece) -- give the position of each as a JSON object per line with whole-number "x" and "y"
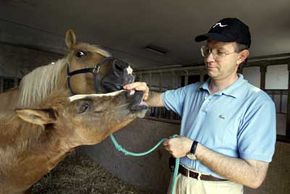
{"x": 193, "y": 147}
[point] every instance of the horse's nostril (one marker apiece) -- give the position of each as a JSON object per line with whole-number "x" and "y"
{"x": 131, "y": 79}
{"x": 120, "y": 65}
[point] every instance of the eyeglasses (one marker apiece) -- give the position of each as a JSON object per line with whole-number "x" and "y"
{"x": 216, "y": 53}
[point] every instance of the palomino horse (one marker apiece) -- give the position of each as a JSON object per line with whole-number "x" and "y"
{"x": 85, "y": 69}
{"x": 33, "y": 141}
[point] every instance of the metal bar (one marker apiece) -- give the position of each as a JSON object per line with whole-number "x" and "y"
{"x": 288, "y": 105}
{"x": 280, "y": 106}
{"x": 186, "y": 78}
{"x": 1, "y": 84}
{"x": 160, "y": 81}
{"x": 263, "y": 70}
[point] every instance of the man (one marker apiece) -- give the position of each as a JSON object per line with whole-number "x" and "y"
{"x": 228, "y": 130}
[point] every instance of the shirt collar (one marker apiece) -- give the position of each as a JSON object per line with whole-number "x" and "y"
{"x": 233, "y": 90}
{"x": 205, "y": 85}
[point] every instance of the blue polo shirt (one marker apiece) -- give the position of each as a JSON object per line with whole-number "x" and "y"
{"x": 239, "y": 121}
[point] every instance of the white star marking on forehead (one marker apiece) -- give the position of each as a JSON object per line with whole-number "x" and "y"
{"x": 129, "y": 70}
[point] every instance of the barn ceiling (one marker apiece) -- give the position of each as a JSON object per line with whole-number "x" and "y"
{"x": 126, "y": 27}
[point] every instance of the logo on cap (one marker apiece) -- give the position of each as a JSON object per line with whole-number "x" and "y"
{"x": 219, "y": 24}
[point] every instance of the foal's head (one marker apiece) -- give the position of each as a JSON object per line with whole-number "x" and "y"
{"x": 86, "y": 119}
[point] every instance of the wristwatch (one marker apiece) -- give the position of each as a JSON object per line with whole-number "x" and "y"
{"x": 191, "y": 154}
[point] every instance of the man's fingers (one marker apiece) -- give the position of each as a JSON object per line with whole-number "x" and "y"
{"x": 145, "y": 97}
{"x": 166, "y": 145}
{"x": 141, "y": 86}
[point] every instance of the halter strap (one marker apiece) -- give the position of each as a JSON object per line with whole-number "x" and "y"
{"x": 95, "y": 70}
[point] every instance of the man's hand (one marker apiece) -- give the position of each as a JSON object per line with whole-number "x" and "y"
{"x": 139, "y": 86}
{"x": 178, "y": 147}
{"x": 154, "y": 100}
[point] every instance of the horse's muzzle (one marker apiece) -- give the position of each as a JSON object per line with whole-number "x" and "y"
{"x": 120, "y": 75}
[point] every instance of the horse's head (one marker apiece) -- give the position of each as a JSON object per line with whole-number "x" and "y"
{"x": 93, "y": 70}
{"x": 86, "y": 119}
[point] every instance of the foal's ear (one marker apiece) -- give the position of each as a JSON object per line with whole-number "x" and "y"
{"x": 37, "y": 116}
{"x": 70, "y": 39}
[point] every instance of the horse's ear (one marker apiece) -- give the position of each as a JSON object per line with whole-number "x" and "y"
{"x": 70, "y": 39}
{"x": 36, "y": 116}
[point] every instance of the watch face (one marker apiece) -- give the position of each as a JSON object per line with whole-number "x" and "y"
{"x": 191, "y": 156}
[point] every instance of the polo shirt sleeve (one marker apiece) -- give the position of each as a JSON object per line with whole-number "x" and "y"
{"x": 257, "y": 134}
{"x": 174, "y": 99}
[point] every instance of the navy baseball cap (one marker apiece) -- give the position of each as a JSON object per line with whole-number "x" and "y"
{"x": 228, "y": 30}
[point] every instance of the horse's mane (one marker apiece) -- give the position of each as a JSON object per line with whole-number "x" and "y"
{"x": 39, "y": 83}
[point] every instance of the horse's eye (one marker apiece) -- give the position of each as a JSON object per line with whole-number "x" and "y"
{"x": 81, "y": 54}
{"x": 84, "y": 107}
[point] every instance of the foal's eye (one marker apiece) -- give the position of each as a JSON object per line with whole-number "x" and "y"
{"x": 84, "y": 107}
{"x": 81, "y": 54}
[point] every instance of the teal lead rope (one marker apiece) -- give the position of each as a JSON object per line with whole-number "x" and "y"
{"x": 128, "y": 153}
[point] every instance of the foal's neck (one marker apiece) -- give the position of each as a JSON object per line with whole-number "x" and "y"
{"x": 29, "y": 154}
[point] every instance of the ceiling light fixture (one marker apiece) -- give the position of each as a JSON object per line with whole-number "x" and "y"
{"x": 156, "y": 49}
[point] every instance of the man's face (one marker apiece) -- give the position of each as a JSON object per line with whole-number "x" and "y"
{"x": 222, "y": 59}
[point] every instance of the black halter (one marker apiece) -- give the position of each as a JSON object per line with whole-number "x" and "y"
{"x": 95, "y": 70}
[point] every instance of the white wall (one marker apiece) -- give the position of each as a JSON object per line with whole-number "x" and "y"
{"x": 253, "y": 75}
{"x": 277, "y": 77}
